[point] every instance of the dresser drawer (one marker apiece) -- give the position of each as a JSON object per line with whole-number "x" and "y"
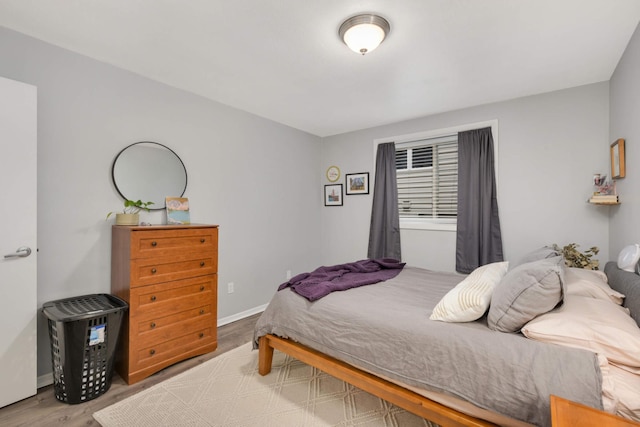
{"x": 151, "y": 301}
{"x": 161, "y": 352}
{"x": 174, "y": 242}
{"x": 147, "y": 271}
{"x": 147, "y": 333}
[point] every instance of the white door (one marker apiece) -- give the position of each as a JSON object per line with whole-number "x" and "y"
{"x": 18, "y": 227}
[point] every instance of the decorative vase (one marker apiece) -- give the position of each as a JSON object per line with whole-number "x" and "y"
{"x": 127, "y": 219}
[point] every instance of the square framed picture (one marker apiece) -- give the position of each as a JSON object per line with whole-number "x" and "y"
{"x": 333, "y": 195}
{"x": 357, "y": 183}
{"x": 177, "y": 210}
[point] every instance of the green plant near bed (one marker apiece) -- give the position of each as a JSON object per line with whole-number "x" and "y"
{"x": 574, "y": 258}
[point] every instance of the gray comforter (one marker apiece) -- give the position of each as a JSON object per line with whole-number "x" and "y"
{"x": 385, "y": 328}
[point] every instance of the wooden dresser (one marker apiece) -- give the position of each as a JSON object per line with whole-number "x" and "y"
{"x": 168, "y": 275}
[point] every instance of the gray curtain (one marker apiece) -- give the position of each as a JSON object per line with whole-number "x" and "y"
{"x": 384, "y": 234}
{"x": 479, "y": 239}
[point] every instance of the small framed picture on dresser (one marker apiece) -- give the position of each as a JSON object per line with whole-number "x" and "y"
{"x": 177, "y": 210}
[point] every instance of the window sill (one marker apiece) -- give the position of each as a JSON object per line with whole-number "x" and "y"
{"x": 407, "y": 224}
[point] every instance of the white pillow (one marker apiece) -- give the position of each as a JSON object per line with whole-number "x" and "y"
{"x": 470, "y": 299}
{"x": 591, "y": 324}
{"x": 590, "y": 283}
{"x": 629, "y": 257}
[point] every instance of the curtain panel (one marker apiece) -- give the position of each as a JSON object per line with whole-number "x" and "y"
{"x": 479, "y": 239}
{"x": 384, "y": 232}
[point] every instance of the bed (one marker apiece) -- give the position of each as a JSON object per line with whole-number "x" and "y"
{"x": 381, "y": 339}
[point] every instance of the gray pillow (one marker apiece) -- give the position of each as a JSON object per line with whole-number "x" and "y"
{"x": 542, "y": 253}
{"x": 525, "y": 292}
{"x": 627, "y": 283}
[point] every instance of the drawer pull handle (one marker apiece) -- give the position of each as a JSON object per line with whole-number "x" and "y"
{"x": 153, "y": 325}
{"x": 154, "y": 271}
{"x": 154, "y": 244}
{"x": 152, "y": 352}
{"x": 201, "y": 288}
{"x": 202, "y": 311}
{"x": 201, "y": 263}
{"x": 202, "y": 240}
{"x": 201, "y": 334}
{"x": 153, "y": 297}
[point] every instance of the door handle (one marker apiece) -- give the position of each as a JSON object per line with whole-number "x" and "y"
{"x": 21, "y": 252}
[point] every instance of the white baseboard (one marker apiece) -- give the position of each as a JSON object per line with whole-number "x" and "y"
{"x": 242, "y": 315}
{"x": 47, "y": 379}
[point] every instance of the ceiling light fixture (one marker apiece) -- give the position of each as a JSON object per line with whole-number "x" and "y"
{"x": 364, "y": 33}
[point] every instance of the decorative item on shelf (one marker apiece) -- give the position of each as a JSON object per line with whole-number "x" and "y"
{"x": 177, "y": 210}
{"x": 599, "y": 179}
{"x": 605, "y": 192}
{"x": 130, "y": 213}
{"x": 574, "y": 258}
{"x": 357, "y": 183}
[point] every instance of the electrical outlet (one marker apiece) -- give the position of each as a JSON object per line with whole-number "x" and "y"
{"x": 288, "y": 274}
{"x": 230, "y": 287}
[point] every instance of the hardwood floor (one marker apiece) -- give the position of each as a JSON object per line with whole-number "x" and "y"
{"x": 44, "y": 410}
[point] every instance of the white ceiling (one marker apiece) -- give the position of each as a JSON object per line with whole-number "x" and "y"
{"x": 283, "y": 60}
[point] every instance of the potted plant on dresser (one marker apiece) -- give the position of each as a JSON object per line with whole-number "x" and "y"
{"x": 130, "y": 213}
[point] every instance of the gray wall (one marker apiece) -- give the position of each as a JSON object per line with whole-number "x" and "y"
{"x": 262, "y": 181}
{"x": 549, "y": 147}
{"x": 255, "y": 178}
{"x": 625, "y": 123}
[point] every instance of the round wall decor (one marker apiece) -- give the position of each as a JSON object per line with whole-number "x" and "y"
{"x": 333, "y": 173}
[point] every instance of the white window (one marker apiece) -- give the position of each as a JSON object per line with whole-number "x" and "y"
{"x": 427, "y": 174}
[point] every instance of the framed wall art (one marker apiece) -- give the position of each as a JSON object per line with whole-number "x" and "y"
{"x": 357, "y": 183}
{"x": 617, "y": 159}
{"x": 333, "y": 173}
{"x": 333, "y": 195}
{"x": 177, "y": 210}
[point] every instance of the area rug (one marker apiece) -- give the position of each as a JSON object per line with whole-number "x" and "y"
{"x": 228, "y": 391}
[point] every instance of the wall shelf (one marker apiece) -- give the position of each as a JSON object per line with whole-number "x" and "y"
{"x": 604, "y": 199}
{"x": 603, "y": 203}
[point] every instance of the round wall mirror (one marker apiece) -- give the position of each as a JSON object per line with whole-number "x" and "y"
{"x": 150, "y": 172}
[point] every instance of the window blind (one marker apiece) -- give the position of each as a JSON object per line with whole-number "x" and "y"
{"x": 427, "y": 175}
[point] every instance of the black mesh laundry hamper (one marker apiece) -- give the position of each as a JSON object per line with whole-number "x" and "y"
{"x": 84, "y": 333}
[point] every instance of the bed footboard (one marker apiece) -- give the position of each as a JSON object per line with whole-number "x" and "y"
{"x": 399, "y": 396}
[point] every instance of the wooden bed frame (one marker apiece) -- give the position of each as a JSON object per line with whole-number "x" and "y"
{"x": 399, "y": 396}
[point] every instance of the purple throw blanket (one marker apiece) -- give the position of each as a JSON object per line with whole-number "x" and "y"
{"x": 324, "y": 280}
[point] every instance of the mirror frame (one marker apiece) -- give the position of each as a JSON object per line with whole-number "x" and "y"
{"x": 115, "y": 160}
